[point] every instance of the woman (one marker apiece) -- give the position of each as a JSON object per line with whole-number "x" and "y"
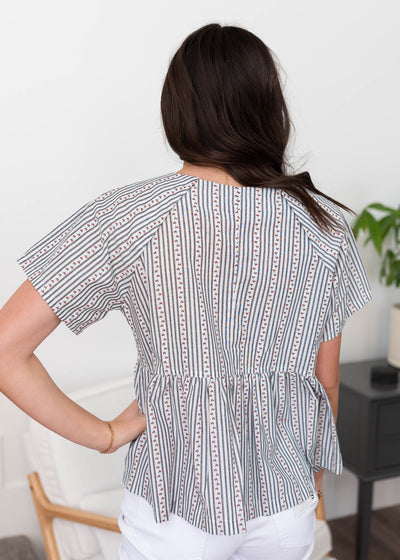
{"x": 236, "y": 278}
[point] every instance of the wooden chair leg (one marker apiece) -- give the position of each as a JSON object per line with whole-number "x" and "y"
{"x": 46, "y": 511}
{"x": 44, "y": 517}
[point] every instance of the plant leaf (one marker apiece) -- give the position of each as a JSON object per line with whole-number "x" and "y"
{"x": 379, "y": 206}
{"x": 391, "y": 274}
{"x": 386, "y": 224}
{"x": 356, "y": 227}
{"x": 375, "y": 231}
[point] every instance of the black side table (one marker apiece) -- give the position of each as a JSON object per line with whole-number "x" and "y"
{"x": 368, "y": 427}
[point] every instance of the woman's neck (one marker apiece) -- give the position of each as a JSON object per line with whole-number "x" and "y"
{"x": 208, "y": 173}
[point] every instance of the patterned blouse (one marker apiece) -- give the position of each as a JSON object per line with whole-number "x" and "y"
{"x": 228, "y": 291}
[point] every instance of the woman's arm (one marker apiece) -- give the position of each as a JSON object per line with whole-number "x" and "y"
{"x": 328, "y": 373}
{"x": 327, "y": 370}
{"x": 25, "y": 321}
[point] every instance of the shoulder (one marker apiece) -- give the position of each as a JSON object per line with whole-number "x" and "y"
{"x": 127, "y": 217}
{"x": 141, "y": 197}
{"x": 329, "y": 243}
{"x": 144, "y": 187}
{"x": 342, "y": 226}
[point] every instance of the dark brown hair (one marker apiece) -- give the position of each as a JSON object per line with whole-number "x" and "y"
{"x": 222, "y": 105}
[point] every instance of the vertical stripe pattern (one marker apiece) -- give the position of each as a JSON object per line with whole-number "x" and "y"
{"x": 228, "y": 292}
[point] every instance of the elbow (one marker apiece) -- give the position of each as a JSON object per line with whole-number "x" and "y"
{"x": 11, "y": 359}
{"x": 331, "y": 388}
{"x": 330, "y": 383}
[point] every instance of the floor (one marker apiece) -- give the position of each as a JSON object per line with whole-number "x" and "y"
{"x": 384, "y": 535}
{"x": 17, "y": 547}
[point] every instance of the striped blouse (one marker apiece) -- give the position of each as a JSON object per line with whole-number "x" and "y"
{"x": 228, "y": 291}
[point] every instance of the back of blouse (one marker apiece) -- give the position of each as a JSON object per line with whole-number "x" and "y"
{"x": 229, "y": 292}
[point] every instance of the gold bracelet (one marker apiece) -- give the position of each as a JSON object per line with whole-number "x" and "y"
{"x": 112, "y": 436}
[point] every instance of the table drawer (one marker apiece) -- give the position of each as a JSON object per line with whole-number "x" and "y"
{"x": 389, "y": 419}
{"x": 387, "y": 452}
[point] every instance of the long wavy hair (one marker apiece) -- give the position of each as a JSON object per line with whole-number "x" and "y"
{"x": 222, "y": 105}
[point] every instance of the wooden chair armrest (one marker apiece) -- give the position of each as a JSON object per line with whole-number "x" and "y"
{"x": 66, "y": 512}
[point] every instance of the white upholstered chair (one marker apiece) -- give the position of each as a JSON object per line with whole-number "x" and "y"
{"x": 70, "y": 480}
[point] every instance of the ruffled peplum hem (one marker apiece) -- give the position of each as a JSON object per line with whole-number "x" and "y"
{"x": 248, "y": 443}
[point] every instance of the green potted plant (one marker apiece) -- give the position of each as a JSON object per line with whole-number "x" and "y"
{"x": 385, "y": 231}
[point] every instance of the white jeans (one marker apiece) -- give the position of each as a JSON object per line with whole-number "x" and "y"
{"x": 288, "y": 535}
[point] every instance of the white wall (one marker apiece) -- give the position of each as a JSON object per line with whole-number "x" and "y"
{"x": 80, "y": 113}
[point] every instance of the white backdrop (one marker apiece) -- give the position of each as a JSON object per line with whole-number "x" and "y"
{"x": 80, "y": 113}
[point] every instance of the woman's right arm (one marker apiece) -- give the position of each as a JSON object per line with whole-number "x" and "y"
{"x": 328, "y": 373}
{"x": 25, "y": 321}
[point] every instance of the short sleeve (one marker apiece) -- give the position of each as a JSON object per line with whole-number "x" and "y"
{"x": 350, "y": 289}
{"x": 72, "y": 269}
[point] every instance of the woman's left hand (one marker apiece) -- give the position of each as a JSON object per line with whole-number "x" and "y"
{"x": 127, "y": 426}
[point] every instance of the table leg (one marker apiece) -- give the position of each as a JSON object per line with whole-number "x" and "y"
{"x": 364, "y": 518}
